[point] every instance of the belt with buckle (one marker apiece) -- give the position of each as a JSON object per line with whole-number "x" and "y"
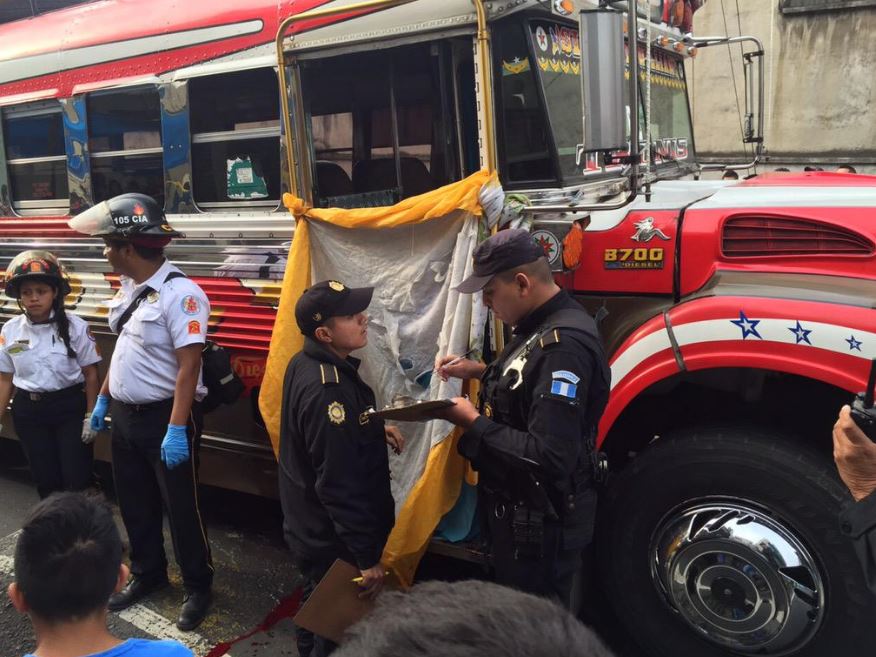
{"x": 53, "y": 394}
{"x": 148, "y": 406}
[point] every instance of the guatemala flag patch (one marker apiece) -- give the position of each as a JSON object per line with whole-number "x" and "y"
{"x": 564, "y": 384}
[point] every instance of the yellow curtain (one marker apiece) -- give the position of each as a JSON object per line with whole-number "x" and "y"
{"x": 438, "y": 488}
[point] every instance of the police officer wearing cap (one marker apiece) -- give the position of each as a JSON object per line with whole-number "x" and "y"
{"x": 531, "y": 439}
{"x": 50, "y": 359}
{"x": 334, "y": 467}
{"x": 153, "y": 392}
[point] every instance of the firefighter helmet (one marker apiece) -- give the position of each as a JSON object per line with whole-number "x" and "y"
{"x": 35, "y": 265}
{"x": 125, "y": 217}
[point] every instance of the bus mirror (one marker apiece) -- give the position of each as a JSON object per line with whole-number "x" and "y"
{"x": 602, "y": 80}
{"x": 752, "y": 66}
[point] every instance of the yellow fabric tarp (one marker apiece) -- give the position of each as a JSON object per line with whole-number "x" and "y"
{"x": 438, "y": 488}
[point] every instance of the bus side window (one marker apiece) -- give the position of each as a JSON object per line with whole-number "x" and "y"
{"x": 235, "y": 124}
{"x": 124, "y": 129}
{"x": 36, "y": 160}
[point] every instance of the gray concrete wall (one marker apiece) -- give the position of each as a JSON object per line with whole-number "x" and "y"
{"x": 820, "y": 83}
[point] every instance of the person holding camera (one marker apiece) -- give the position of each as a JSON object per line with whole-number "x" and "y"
{"x": 855, "y": 456}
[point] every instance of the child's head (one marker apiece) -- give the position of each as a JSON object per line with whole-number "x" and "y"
{"x": 68, "y": 559}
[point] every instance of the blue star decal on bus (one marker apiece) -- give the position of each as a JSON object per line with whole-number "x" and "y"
{"x": 800, "y": 333}
{"x": 854, "y": 344}
{"x": 748, "y": 326}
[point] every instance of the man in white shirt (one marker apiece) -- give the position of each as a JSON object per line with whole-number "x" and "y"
{"x": 154, "y": 386}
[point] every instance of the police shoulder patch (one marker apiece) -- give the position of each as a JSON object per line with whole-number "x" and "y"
{"x": 566, "y": 375}
{"x": 336, "y": 413}
{"x": 564, "y": 384}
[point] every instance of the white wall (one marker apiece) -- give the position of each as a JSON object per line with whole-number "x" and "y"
{"x": 820, "y": 84}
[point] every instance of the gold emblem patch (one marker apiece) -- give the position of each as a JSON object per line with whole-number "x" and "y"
{"x": 317, "y": 317}
{"x": 152, "y": 297}
{"x": 488, "y": 410}
{"x": 337, "y": 287}
{"x": 336, "y": 413}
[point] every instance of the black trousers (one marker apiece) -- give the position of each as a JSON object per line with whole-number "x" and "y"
{"x": 50, "y": 430}
{"x": 309, "y": 644}
{"x": 549, "y": 572}
{"x": 144, "y": 484}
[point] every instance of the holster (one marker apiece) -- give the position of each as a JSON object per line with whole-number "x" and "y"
{"x": 527, "y": 528}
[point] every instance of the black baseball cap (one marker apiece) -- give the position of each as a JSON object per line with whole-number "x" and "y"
{"x": 505, "y": 250}
{"x": 329, "y": 299}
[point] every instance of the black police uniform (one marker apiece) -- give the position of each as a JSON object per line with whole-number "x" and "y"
{"x": 533, "y": 447}
{"x": 858, "y": 522}
{"x": 334, "y": 468}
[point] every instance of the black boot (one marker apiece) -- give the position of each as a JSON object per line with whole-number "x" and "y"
{"x": 135, "y": 590}
{"x": 194, "y": 609}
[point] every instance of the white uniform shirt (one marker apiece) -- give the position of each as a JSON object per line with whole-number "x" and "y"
{"x": 36, "y": 356}
{"x": 143, "y": 368}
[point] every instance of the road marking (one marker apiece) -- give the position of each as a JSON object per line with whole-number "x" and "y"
{"x": 158, "y": 626}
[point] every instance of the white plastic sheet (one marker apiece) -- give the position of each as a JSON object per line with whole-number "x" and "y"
{"x": 414, "y": 315}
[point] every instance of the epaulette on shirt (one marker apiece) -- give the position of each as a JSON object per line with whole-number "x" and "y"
{"x": 549, "y": 338}
{"x": 329, "y": 374}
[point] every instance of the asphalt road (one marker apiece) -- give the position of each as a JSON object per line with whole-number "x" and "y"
{"x": 253, "y": 575}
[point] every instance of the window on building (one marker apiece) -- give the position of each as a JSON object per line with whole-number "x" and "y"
{"x": 235, "y": 125}
{"x": 125, "y": 143}
{"x": 37, "y": 163}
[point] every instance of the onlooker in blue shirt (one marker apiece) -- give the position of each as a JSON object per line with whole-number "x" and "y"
{"x": 68, "y": 561}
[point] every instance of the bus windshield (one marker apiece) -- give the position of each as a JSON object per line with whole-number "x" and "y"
{"x": 558, "y": 62}
{"x": 671, "y": 130}
{"x": 557, "y": 55}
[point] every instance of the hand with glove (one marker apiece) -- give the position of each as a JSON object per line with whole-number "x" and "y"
{"x": 98, "y": 414}
{"x": 88, "y": 434}
{"x": 175, "y": 446}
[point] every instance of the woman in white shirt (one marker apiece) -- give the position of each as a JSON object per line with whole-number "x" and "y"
{"x": 49, "y": 358}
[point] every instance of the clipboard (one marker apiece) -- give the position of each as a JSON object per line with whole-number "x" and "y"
{"x": 334, "y": 605}
{"x": 412, "y": 411}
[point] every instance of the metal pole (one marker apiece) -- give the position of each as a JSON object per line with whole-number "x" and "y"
{"x": 485, "y": 78}
{"x": 393, "y": 122}
{"x": 633, "y": 49}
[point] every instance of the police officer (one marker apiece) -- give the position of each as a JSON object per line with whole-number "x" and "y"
{"x": 51, "y": 359}
{"x": 154, "y": 389}
{"x": 532, "y": 437}
{"x": 334, "y": 468}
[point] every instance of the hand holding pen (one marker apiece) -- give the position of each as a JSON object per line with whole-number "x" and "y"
{"x": 459, "y": 367}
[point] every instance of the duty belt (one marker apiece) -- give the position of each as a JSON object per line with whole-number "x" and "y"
{"x": 53, "y": 394}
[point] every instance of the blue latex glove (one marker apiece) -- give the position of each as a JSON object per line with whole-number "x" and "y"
{"x": 98, "y": 414}
{"x": 175, "y": 446}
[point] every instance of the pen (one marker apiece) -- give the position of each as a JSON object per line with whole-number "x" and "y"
{"x": 359, "y": 580}
{"x": 458, "y": 358}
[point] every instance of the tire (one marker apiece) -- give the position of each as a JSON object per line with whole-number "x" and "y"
{"x": 721, "y": 485}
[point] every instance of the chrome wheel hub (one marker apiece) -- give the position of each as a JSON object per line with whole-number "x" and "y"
{"x": 740, "y": 578}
